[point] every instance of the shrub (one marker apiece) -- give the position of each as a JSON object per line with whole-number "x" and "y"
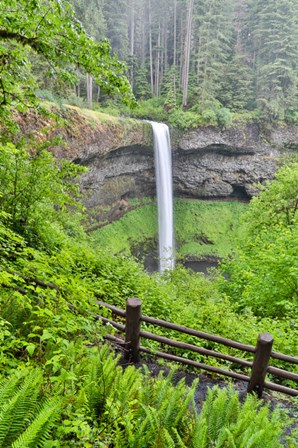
{"x": 209, "y": 117}
{"x": 291, "y": 117}
{"x": 224, "y": 117}
{"x": 263, "y": 276}
{"x": 152, "y": 109}
{"x": 38, "y": 195}
{"x": 184, "y": 120}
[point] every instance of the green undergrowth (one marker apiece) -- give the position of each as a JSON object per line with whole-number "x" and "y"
{"x": 202, "y": 228}
{"x": 52, "y": 277}
{"x": 47, "y": 298}
{"x": 206, "y": 228}
{"x": 134, "y": 227}
{"x": 99, "y": 404}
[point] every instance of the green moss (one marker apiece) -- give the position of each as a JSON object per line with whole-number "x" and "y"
{"x": 202, "y": 228}
{"x": 206, "y": 228}
{"x": 136, "y": 226}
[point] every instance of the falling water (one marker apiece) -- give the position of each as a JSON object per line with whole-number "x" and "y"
{"x": 164, "y": 187}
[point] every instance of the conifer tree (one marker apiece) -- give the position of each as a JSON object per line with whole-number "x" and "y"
{"x": 214, "y": 34}
{"x": 141, "y": 85}
{"x": 116, "y": 17}
{"x": 275, "y": 37}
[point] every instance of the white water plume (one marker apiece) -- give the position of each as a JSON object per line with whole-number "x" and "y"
{"x": 164, "y": 188}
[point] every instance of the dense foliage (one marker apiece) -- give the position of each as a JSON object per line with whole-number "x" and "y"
{"x": 48, "y": 315}
{"x": 35, "y": 192}
{"x": 60, "y": 386}
{"x": 47, "y": 35}
{"x": 201, "y": 228}
{"x": 211, "y": 57}
{"x": 264, "y": 275}
{"x": 107, "y": 406}
{"x": 204, "y": 62}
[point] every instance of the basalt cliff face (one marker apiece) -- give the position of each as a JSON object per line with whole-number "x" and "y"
{"x": 208, "y": 163}
{"x": 211, "y": 163}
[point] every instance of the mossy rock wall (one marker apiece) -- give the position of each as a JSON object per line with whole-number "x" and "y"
{"x": 208, "y": 162}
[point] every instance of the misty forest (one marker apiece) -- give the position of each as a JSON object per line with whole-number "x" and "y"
{"x": 148, "y": 155}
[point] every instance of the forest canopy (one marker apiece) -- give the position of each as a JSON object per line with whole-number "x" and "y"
{"x": 212, "y": 59}
{"x": 38, "y": 36}
{"x": 205, "y": 55}
{"x": 60, "y": 386}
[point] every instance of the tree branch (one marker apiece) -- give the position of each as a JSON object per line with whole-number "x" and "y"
{"x": 33, "y": 42}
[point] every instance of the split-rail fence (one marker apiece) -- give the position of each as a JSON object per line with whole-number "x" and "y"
{"x": 259, "y": 366}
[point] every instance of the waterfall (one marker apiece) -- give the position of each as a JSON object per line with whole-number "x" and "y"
{"x": 164, "y": 188}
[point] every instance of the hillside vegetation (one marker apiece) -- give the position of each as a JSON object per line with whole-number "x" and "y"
{"x": 51, "y": 278}
{"x": 60, "y": 386}
{"x": 202, "y": 228}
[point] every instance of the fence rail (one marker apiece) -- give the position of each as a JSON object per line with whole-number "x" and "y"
{"x": 259, "y": 365}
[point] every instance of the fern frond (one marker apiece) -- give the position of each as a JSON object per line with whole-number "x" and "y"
{"x": 39, "y": 430}
{"x": 147, "y": 428}
{"x": 19, "y": 409}
{"x": 184, "y": 407}
{"x": 225, "y": 439}
{"x": 100, "y": 380}
{"x": 23, "y": 421}
{"x": 7, "y": 388}
{"x": 164, "y": 439}
{"x": 179, "y": 443}
{"x": 199, "y": 437}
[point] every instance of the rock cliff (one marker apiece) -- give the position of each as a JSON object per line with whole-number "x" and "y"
{"x": 208, "y": 162}
{"x": 221, "y": 164}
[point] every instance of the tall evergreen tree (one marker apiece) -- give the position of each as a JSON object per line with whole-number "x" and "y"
{"x": 91, "y": 15}
{"x": 275, "y": 40}
{"x": 141, "y": 85}
{"x": 239, "y": 54}
{"x": 116, "y": 17}
{"x": 236, "y": 86}
{"x": 214, "y": 33}
{"x": 186, "y": 53}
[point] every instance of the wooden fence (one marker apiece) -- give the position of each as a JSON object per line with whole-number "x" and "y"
{"x": 259, "y": 366}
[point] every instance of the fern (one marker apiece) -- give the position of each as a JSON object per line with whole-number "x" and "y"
{"x": 23, "y": 421}
{"x": 137, "y": 411}
{"x": 39, "y": 429}
{"x": 223, "y": 422}
{"x": 225, "y": 439}
{"x": 200, "y": 433}
{"x": 6, "y": 389}
{"x": 18, "y": 407}
{"x": 165, "y": 439}
{"x": 99, "y": 382}
{"x": 188, "y": 400}
{"x": 179, "y": 443}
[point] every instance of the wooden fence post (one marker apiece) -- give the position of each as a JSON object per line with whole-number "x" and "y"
{"x": 260, "y": 364}
{"x": 132, "y": 329}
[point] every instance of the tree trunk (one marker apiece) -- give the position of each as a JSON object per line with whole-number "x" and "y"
{"x": 175, "y": 34}
{"x": 143, "y": 38}
{"x": 150, "y": 48}
{"x": 158, "y": 57}
{"x": 89, "y": 81}
{"x": 164, "y": 38}
{"x": 186, "y": 59}
{"x": 131, "y": 38}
